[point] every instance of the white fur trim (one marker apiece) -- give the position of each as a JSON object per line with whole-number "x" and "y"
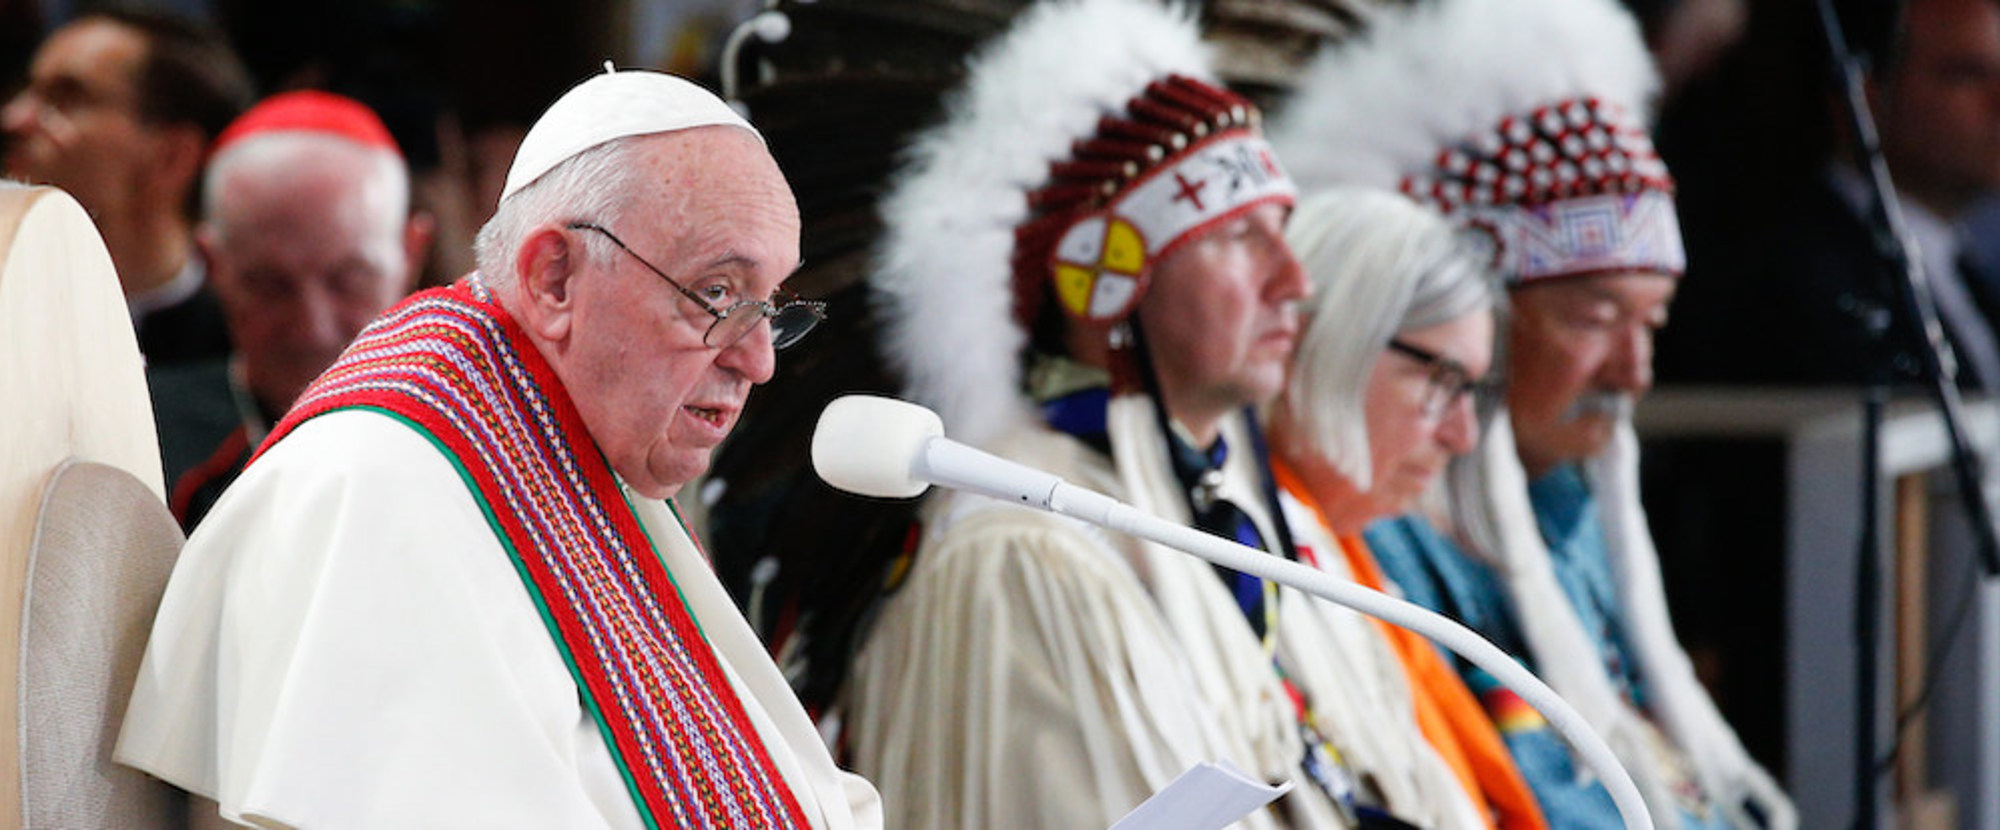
{"x": 1677, "y": 696}
{"x": 1360, "y": 696}
{"x": 1566, "y": 658}
{"x": 1426, "y": 76}
{"x": 944, "y": 271}
{"x": 1562, "y": 653}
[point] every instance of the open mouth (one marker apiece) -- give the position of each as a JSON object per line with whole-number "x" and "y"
{"x": 712, "y": 416}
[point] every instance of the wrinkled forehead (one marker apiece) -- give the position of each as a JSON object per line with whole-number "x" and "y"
{"x": 715, "y": 199}
{"x": 306, "y": 173}
{"x": 1635, "y": 291}
{"x": 716, "y": 171}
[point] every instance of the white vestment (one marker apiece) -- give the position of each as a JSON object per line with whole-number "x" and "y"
{"x": 1033, "y": 671}
{"x": 345, "y": 643}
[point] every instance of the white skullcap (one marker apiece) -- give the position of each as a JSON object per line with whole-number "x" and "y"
{"x": 615, "y": 105}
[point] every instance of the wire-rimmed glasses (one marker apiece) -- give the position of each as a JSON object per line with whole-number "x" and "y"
{"x": 1449, "y": 380}
{"x": 791, "y": 317}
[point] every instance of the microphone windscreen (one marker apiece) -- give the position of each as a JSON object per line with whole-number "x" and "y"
{"x": 865, "y": 444}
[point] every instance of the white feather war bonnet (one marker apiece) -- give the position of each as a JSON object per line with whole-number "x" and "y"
{"x": 1522, "y": 121}
{"x": 1087, "y": 143}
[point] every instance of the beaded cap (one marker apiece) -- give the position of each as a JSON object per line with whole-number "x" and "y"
{"x": 1184, "y": 156}
{"x": 1056, "y": 172}
{"x": 1579, "y": 147}
{"x": 1522, "y": 120}
{"x": 1569, "y": 189}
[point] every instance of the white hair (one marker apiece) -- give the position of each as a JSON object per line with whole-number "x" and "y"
{"x": 382, "y": 177}
{"x": 593, "y": 186}
{"x": 1381, "y": 264}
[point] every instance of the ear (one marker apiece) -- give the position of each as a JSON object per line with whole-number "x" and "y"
{"x": 179, "y": 150}
{"x": 417, "y": 236}
{"x": 208, "y": 246}
{"x": 545, "y": 270}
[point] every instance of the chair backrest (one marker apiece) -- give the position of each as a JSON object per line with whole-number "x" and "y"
{"x": 102, "y": 550}
{"x": 72, "y": 385}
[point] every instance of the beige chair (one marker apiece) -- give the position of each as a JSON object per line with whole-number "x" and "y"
{"x": 103, "y": 547}
{"x": 85, "y": 539}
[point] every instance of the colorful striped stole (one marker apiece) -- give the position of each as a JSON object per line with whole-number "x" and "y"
{"x": 459, "y": 370}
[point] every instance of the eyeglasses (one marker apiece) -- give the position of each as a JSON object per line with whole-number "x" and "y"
{"x": 1449, "y": 380}
{"x": 790, "y": 316}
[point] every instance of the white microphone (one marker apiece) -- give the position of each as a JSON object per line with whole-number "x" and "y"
{"x": 882, "y": 447}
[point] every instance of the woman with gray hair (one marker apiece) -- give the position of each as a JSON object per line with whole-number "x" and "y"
{"x": 1379, "y": 400}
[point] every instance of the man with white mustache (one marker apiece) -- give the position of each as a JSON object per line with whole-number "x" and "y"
{"x": 1543, "y": 156}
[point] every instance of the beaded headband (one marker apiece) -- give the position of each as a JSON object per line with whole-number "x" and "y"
{"x": 1185, "y": 156}
{"x": 1572, "y": 188}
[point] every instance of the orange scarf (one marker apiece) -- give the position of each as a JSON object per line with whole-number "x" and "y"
{"x": 1447, "y": 713}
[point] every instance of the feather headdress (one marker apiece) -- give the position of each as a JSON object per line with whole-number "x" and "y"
{"x": 1521, "y": 120}
{"x": 1062, "y": 159}
{"x": 1525, "y": 120}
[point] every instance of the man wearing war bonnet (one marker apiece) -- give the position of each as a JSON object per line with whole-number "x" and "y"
{"x": 1084, "y": 269}
{"x": 1532, "y": 138}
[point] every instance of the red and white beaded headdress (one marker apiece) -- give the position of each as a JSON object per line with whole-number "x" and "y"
{"x": 1184, "y": 156}
{"x": 1524, "y": 121}
{"x": 1085, "y": 146}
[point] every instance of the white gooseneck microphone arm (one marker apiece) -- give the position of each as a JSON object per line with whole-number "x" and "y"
{"x": 888, "y": 448}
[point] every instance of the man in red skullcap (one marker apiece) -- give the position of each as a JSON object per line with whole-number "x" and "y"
{"x": 308, "y": 236}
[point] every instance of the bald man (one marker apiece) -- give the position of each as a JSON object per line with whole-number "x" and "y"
{"x": 307, "y": 232}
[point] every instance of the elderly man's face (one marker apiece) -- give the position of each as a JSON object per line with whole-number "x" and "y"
{"x": 1221, "y": 318}
{"x": 656, "y": 399}
{"x": 1416, "y": 420}
{"x": 302, "y": 255}
{"x": 76, "y": 125}
{"x": 1581, "y": 354}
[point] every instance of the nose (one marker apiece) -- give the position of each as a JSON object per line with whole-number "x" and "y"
{"x": 1459, "y": 431}
{"x": 752, "y": 356}
{"x": 1630, "y": 367}
{"x": 19, "y": 112}
{"x": 320, "y": 323}
{"x": 1288, "y": 278}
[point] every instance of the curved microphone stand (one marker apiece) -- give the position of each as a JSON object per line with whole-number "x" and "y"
{"x": 887, "y": 448}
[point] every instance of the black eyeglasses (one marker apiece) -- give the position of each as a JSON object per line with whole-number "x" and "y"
{"x": 790, "y": 316}
{"x": 1449, "y": 380}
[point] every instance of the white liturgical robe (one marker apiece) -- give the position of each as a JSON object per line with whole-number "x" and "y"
{"x": 344, "y": 643}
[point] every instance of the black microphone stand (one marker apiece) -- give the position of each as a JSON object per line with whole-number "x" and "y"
{"x": 1911, "y": 302}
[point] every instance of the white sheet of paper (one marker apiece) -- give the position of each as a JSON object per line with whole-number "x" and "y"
{"x": 1208, "y": 796}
